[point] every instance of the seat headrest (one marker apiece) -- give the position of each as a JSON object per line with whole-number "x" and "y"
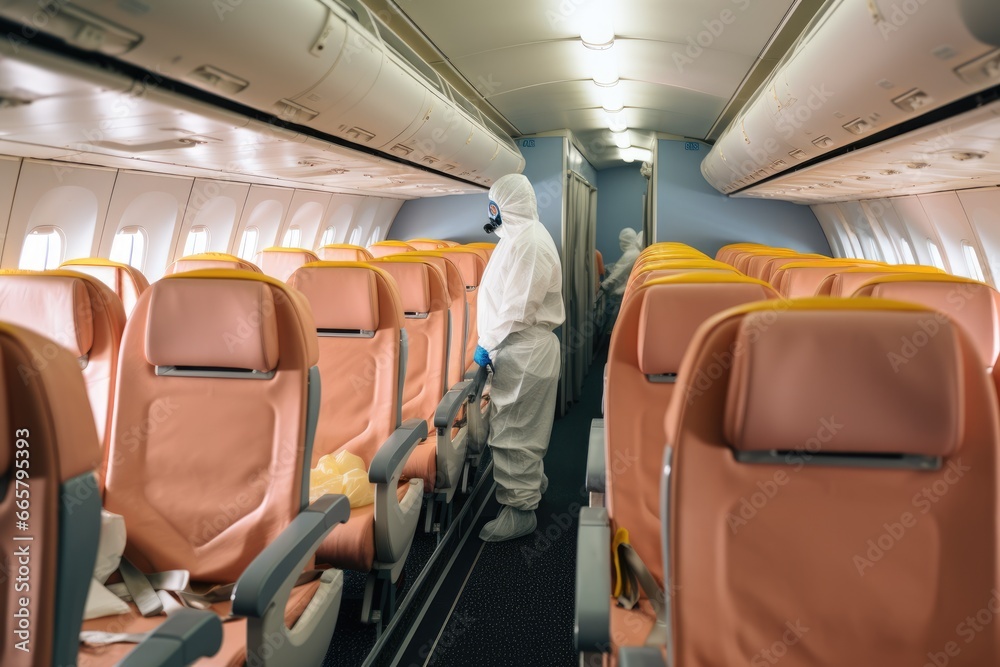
{"x": 210, "y": 260}
{"x": 343, "y": 252}
{"x": 973, "y": 305}
{"x": 414, "y": 282}
{"x": 869, "y": 380}
{"x": 281, "y": 263}
{"x": 674, "y": 307}
{"x": 57, "y": 307}
{"x": 343, "y": 297}
{"x": 212, "y": 323}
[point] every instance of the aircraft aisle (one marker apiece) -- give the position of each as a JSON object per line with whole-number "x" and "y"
{"x": 516, "y": 605}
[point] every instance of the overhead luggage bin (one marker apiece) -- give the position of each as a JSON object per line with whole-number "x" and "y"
{"x": 330, "y": 67}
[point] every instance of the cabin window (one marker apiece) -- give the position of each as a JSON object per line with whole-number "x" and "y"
{"x": 908, "y": 256}
{"x": 972, "y": 260}
{"x": 936, "y": 258}
{"x": 355, "y": 236}
{"x": 248, "y": 244}
{"x": 293, "y": 237}
{"x": 197, "y": 240}
{"x": 42, "y": 249}
{"x": 327, "y": 237}
{"x": 129, "y": 247}
{"x": 376, "y": 235}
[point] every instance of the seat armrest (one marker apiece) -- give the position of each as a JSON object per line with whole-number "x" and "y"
{"x": 592, "y": 628}
{"x": 641, "y": 656}
{"x": 283, "y": 560}
{"x": 452, "y": 447}
{"x": 449, "y": 407}
{"x": 597, "y": 469}
{"x": 396, "y": 525}
{"x": 392, "y": 455}
{"x": 186, "y": 636}
{"x": 480, "y": 376}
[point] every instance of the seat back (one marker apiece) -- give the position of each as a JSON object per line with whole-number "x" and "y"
{"x": 854, "y": 498}
{"x": 359, "y": 322}
{"x": 845, "y": 281}
{"x": 343, "y": 252}
{"x": 641, "y": 278}
{"x": 426, "y": 306}
{"x": 648, "y": 343}
{"x": 209, "y": 448}
{"x": 280, "y": 263}
{"x": 386, "y": 248}
{"x": 124, "y": 280}
{"x": 471, "y": 263}
{"x": 757, "y": 265}
{"x": 48, "y": 434}
{"x": 774, "y": 264}
{"x": 210, "y": 260}
{"x": 458, "y": 340}
{"x": 426, "y": 244}
{"x": 488, "y": 248}
{"x": 975, "y": 306}
{"x": 79, "y": 313}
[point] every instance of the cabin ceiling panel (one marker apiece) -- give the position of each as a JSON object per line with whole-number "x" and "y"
{"x": 681, "y": 58}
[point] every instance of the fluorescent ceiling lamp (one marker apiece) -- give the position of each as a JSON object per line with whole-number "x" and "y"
{"x": 604, "y": 67}
{"x": 597, "y": 29}
{"x": 627, "y": 156}
{"x": 622, "y": 139}
{"x": 617, "y": 122}
{"x": 641, "y": 154}
{"x": 612, "y": 99}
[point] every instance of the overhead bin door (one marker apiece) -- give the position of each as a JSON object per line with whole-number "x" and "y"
{"x": 256, "y": 52}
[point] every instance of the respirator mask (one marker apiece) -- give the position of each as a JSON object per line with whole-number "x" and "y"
{"x": 495, "y": 219}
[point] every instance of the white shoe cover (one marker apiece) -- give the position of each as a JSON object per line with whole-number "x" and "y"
{"x": 510, "y": 524}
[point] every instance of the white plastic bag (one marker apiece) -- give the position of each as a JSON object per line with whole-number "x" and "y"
{"x": 342, "y": 473}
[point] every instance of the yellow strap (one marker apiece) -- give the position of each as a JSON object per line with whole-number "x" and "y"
{"x": 621, "y": 537}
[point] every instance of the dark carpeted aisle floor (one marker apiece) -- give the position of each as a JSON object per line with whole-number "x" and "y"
{"x": 517, "y": 607}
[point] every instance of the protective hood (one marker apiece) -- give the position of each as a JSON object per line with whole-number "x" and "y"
{"x": 515, "y": 198}
{"x": 629, "y": 239}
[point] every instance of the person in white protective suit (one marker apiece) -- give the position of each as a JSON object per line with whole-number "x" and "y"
{"x": 614, "y": 285}
{"x": 520, "y": 303}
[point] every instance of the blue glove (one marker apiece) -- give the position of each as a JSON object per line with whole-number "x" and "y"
{"x": 482, "y": 357}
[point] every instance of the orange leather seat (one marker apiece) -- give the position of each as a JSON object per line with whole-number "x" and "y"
{"x": 459, "y": 308}
{"x": 362, "y": 360}
{"x": 975, "y": 306}
{"x": 643, "y": 277}
{"x": 728, "y": 253}
{"x": 124, "y": 280}
{"x": 471, "y": 263}
{"x": 281, "y": 263}
{"x": 79, "y": 313}
{"x": 210, "y": 260}
{"x": 427, "y": 244}
{"x": 427, "y": 302}
{"x": 488, "y": 248}
{"x": 646, "y": 354}
{"x": 802, "y": 279}
{"x": 209, "y": 459}
{"x": 49, "y": 434}
{"x": 815, "y": 492}
{"x": 385, "y": 248}
{"x": 343, "y": 252}
{"x": 844, "y": 281}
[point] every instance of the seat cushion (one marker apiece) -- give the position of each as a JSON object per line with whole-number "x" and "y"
{"x": 629, "y": 627}
{"x": 422, "y": 463}
{"x": 234, "y": 633}
{"x": 351, "y": 546}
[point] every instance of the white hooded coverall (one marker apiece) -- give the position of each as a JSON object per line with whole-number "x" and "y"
{"x": 631, "y": 245}
{"x": 520, "y": 303}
